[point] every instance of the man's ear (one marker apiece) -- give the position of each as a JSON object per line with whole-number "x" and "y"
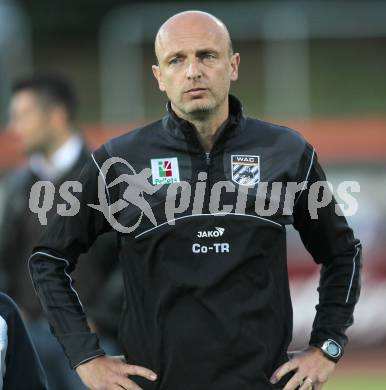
{"x": 157, "y": 74}
{"x": 235, "y": 62}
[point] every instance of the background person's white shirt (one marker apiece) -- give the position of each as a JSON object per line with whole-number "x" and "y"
{"x": 3, "y": 348}
{"x": 61, "y": 161}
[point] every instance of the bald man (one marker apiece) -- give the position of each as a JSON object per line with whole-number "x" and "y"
{"x": 207, "y": 303}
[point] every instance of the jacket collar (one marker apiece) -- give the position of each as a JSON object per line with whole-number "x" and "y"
{"x": 182, "y": 128}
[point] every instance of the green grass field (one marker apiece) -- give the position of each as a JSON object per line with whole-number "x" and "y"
{"x": 357, "y": 382}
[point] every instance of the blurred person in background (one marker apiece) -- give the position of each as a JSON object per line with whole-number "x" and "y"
{"x": 42, "y": 114}
{"x": 20, "y": 366}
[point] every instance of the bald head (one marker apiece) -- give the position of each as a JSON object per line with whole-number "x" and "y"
{"x": 196, "y": 65}
{"x": 185, "y": 23}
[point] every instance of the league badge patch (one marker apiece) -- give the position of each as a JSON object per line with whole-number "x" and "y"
{"x": 245, "y": 169}
{"x": 165, "y": 170}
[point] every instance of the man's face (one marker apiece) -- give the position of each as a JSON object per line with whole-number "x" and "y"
{"x": 30, "y": 121}
{"x": 195, "y": 67}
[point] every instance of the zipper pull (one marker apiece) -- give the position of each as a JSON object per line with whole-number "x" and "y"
{"x": 207, "y": 158}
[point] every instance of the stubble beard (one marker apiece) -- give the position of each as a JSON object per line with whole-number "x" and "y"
{"x": 201, "y": 112}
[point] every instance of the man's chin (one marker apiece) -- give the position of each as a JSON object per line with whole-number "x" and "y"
{"x": 200, "y": 108}
{"x": 34, "y": 149}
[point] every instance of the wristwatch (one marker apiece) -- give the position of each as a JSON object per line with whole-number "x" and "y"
{"x": 331, "y": 350}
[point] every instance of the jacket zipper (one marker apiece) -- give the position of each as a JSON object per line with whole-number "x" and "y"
{"x": 208, "y": 163}
{"x": 208, "y": 182}
{"x": 207, "y": 159}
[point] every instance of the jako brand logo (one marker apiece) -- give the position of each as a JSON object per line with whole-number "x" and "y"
{"x": 211, "y": 233}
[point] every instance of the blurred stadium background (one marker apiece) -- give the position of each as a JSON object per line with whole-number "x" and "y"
{"x": 317, "y": 66}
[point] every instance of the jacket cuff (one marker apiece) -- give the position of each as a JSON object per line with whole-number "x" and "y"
{"x": 87, "y": 360}
{"x": 80, "y": 347}
{"x": 320, "y": 336}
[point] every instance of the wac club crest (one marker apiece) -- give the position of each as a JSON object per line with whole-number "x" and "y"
{"x": 245, "y": 169}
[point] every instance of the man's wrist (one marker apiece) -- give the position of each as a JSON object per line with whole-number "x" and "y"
{"x": 88, "y": 359}
{"x": 330, "y": 348}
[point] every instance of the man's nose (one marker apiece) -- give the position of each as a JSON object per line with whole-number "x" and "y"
{"x": 193, "y": 71}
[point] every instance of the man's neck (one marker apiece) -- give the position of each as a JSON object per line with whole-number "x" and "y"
{"x": 208, "y": 131}
{"x": 208, "y": 128}
{"x": 56, "y": 144}
{"x": 60, "y": 161}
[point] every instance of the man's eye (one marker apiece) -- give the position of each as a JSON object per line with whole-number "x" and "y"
{"x": 207, "y": 56}
{"x": 175, "y": 60}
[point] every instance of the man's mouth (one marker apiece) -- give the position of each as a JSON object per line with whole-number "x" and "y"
{"x": 195, "y": 91}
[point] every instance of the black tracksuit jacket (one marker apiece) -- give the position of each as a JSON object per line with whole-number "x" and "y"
{"x": 202, "y": 315}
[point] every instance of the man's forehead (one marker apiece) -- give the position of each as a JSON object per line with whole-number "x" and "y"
{"x": 190, "y": 46}
{"x": 189, "y": 41}
{"x": 191, "y": 29}
{"x": 25, "y": 96}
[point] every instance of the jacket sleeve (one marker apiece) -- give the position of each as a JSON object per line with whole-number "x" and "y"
{"x": 11, "y": 212}
{"x": 332, "y": 244}
{"x": 54, "y": 258}
{"x": 20, "y": 354}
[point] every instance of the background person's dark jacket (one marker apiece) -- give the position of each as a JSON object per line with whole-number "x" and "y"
{"x": 23, "y": 369}
{"x": 19, "y": 231}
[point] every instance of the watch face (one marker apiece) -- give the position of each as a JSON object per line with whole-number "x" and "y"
{"x": 333, "y": 349}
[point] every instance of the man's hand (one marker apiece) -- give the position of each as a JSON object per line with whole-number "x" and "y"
{"x": 312, "y": 369}
{"x": 111, "y": 373}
